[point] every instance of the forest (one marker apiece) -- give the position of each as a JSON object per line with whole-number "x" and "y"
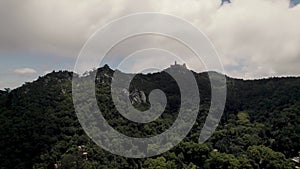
{"x": 259, "y": 128}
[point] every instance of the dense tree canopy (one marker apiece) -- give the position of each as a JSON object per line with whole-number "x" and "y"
{"x": 259, "y": 128}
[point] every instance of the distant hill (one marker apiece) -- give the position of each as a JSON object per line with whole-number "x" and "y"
{"x": 259, "y": 127}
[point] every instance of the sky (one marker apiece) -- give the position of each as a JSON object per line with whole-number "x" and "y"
{"x": 254, "y": 39}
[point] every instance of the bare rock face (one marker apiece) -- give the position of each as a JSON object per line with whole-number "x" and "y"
{"x": 137, "y": 97}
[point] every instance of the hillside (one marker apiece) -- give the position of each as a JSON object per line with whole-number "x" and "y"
{"x": 259, "y": 127}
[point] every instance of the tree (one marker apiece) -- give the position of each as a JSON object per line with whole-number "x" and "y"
{"x": 159, "y": 163}
{"x": 224, "y": 161}
{"x": 264, "y": 157}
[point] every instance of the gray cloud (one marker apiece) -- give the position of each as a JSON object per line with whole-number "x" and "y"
{"x": 255, "y": 38}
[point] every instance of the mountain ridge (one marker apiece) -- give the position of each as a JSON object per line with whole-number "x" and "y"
{"x": 39, "y": 127}
{"x": 108, "y": 68}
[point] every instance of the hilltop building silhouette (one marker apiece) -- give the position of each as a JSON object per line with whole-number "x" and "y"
{"x": 176, "y": 65}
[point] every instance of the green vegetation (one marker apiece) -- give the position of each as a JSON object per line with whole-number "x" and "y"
{"x": 259, "y": 128}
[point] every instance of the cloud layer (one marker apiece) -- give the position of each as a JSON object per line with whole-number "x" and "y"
{"x": 25, "y": 71}
{"x": 255, "y": 39}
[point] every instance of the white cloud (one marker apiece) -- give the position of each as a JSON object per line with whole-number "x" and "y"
{"x": 259, "y": 37}
{"x": 25, "y": 71}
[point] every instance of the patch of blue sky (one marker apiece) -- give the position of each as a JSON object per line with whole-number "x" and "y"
{"x": 294, "y": 3}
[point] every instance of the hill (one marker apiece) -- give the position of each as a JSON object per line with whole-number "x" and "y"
{"x": 259, "y": 128}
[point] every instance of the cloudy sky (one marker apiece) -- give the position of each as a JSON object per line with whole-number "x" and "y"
{"x": 255, "y": 39}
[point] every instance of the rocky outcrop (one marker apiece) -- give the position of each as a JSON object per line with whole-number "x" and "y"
{"x": 136, "y": 96}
